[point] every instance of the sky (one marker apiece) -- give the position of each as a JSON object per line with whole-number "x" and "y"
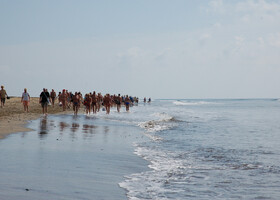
{"x": 147, "y": 48}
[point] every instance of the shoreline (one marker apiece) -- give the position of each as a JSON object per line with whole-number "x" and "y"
{"x": 67, "y": 157}
{"x": 13, "y": 119}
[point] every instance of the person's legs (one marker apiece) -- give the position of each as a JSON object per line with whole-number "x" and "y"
{"x": 45, "y": 108}
{"x": 27, "y": 105}
{"x": 24, "y": 105}
{"x": 2, "y": 102}
{"x": 64, "y": 104}
{"x": 53, "y": 100}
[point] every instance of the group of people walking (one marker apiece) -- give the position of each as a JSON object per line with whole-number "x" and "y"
{"x": 25, "y": 98}
{"x": 92, "y": 101}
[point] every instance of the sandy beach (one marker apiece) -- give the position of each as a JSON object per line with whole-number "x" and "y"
{"x": 13, "y": 118}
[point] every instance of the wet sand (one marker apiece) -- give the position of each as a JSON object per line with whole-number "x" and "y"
{"x": 69, "y": 157}
{"x": 13, "y": 119}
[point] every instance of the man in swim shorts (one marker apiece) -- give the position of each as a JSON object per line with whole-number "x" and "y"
{"x": 127, "y": 102}
{"x": 44, "y": 101}
{"x": 118, "y": 101}
{"x": 76, "y": 103}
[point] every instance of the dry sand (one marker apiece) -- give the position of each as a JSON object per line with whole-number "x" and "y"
{"x": 13, "y": 118}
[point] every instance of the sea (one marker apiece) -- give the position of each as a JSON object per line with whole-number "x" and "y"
{"x": 208, "y": 149}
{"x": 182, "y": 149}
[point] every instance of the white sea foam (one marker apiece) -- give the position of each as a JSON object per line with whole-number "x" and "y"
{"x": 189, "y": 103}
{"x": 195, "y": 159}
{"x": 153, "y": 137}
{"x": 153, "y": 126}
{"x": 161, "y": 123}
{"x": 165, "y": 168}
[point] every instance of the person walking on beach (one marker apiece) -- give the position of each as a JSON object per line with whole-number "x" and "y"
{"x": 94, "y": 102}
{"x": 63, "y": 99}
{"x": 25, "y": 99}
{"x": 76, "y": 103}
{"x": 44, "y": 101}
{"x": 3, "y": 95}
{"x": 53, "y": 96}
{"x": 99, "y": 101}
{"x": 87, "y": 103}
{"x": 107, "y": 101}
{"x": 118, "y": 101}
{"x": 127, "y": 102}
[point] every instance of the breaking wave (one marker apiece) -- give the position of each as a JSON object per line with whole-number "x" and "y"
{"x": 186, "y": 103}
{"x": 163, "y": 122}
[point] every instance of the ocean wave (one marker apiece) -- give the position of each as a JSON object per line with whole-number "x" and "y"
{"x": 152, "y": 126}
{"x": 163, "y": 122}
{"x": 153, "y": 137}
{"x": 165, "y": 169}
{"x": 190, "y": 103}
{"x": 176, "y": 172}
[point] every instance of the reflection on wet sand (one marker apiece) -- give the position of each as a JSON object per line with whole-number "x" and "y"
{"x": 43, "y": 129}
{"x": 73, "y": 158}
{"x": 75, "y": 127}
{"x": 88, "y": 128}
{"x": 62, "y": 126}
{"x": 106, "y": 129}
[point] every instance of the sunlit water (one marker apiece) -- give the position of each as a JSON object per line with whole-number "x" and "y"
{"x": 183, "y": 149}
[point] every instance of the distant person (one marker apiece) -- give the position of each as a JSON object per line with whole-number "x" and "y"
{"x": 53, "y": 96}
{"x": 145, "y": 100}
{"x": 68, "y": 102}
{"x": 94, "y": 102}
{"x": 3, "y": 95}
{"x": 99, "y": 101}
{"x": 107, "y": 101}
{"x": 118, "y": 101}
{"x": 44, "y": 101}
{"x": 150, "y": 100}
{"x": 76, "y": 102}
{"x": 127, "y": 103}
{"x": 87, "y": 103}
{"x": 25, "y": 99}
{"x": 63, "y": 99}
{"x": 59, "y": 99}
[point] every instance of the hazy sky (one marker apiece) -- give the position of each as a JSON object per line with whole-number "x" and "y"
{"x": 153, "y": 48}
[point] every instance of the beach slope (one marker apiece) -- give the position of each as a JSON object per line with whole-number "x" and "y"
{"x": 13, "y": 118}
